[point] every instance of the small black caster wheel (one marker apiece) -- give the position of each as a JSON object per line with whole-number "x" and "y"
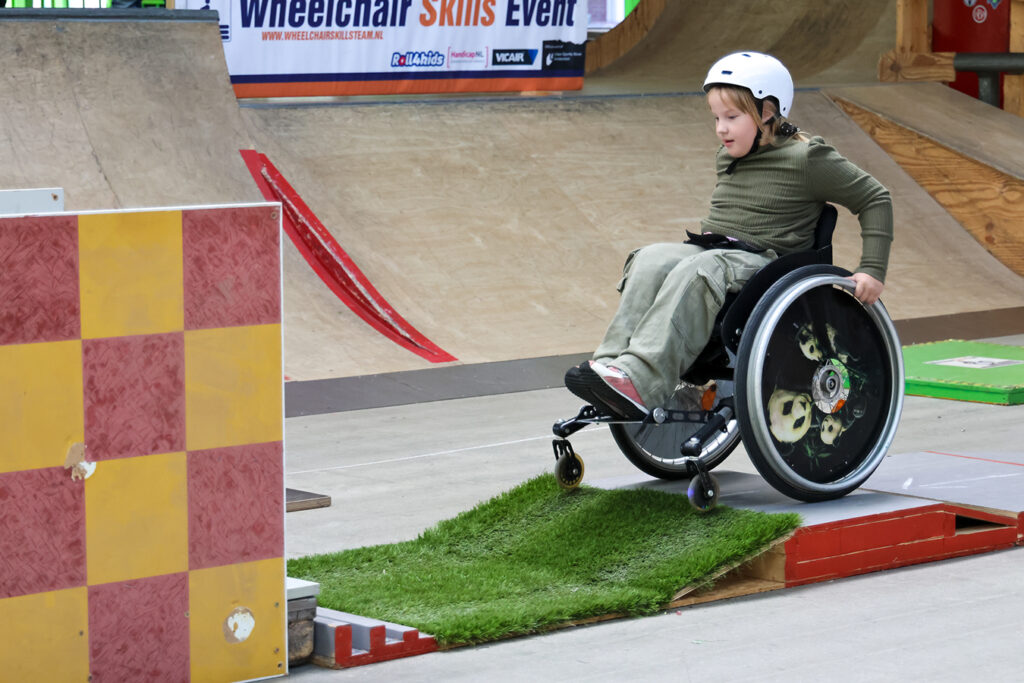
{"x": 569, "y": 470}
{"x": 702, "y": 498}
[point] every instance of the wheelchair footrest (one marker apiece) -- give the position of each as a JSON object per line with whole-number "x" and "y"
{"x": 717, "y": 422}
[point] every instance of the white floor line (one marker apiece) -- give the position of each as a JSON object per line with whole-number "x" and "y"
{"x": 453, "y": 451}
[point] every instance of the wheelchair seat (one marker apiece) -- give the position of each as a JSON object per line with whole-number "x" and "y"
{"x": 734, "y": 313}
{"x": 729, "y": 322}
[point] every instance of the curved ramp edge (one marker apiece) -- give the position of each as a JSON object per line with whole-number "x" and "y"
{"x": 334, "y": 266}
{"x": 608, "y": 47}
{"x": 668, "y": 46}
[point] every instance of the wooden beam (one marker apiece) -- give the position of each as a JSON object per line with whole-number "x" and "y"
{"x": 913, "y": 32}
{"x": 296, "y": 500}
{"x": 1016, "y": 25}
{"x": 987, "y": 202}
{"x": 1013, "y": 85}
{"x": 916, "y": 66}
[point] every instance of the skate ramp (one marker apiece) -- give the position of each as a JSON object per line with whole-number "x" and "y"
{"x": 120, "y": 113}
{"x": 124, "y": 111}
{"x": 668, "y": 45}
{"x": 496, "y": 227}
{"x": 499, "y": 228}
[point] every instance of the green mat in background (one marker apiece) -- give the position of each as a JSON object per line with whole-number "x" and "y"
{"x": 965, "y": 371}
{"x": 536, "y": 557}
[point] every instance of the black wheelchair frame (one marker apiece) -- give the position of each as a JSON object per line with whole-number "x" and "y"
{"x": 804, "y": 374}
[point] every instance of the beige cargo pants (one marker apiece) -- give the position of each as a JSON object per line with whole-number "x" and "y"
{"x": 671, "y": 293}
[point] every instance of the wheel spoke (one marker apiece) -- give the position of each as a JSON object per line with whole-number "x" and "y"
{"x": 818, "y": 315}
{"x": 655, "y": 448}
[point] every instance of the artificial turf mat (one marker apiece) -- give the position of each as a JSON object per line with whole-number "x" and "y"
{"x": 536, "y": 556}
{"x": 966, "y": 371}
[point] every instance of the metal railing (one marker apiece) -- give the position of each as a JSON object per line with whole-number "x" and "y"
{"x": 989, "y": 66}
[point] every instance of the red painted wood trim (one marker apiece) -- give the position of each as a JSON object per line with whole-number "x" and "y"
{"x": 895, "y": 539}
{"x": 902, "y": 556}
{"x": 333, "y": 264}
{"x": 382, "y": 648}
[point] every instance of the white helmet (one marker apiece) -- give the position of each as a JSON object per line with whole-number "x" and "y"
{"x": 762, "y": 74}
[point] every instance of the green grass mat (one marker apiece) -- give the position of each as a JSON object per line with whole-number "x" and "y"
{"x": 966, "y": 371}
{"x": 536, "y": 557}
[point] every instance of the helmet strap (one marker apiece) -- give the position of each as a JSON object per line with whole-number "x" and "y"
{"x": 786, "y": 130}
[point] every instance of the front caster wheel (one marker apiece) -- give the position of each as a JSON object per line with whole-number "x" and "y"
{"x": 569, "y": 470}
{"x": 702, "y": 497}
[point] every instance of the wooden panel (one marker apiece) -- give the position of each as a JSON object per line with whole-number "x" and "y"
{"x": 305, "y": 500}
{"x": 985, "y": 201}
{"x": 963, "y": 123}
{"x": 897, "y": 65}
{"x": 1013, "y": 85}
{"x": 760, "y": 571}
{"x": 731, "y": 586}
{"x": 769, "y": 566}
{"x": 1016, "y": 25}
{"x": 912, "y": 27}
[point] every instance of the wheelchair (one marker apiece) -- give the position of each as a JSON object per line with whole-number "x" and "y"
{"x": 804, "y": 374}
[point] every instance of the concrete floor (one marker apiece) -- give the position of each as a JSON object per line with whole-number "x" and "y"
{"x": 395, "y": 471}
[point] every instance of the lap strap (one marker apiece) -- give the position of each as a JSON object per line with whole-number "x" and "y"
{"x": 712, "y": 240}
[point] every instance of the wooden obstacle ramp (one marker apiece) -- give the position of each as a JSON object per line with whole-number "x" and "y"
{"x": 889, "y": 523}
{"x": 919, "y": 507}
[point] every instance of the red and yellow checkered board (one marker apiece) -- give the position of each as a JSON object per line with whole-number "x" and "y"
{"x": 154, "y": 338}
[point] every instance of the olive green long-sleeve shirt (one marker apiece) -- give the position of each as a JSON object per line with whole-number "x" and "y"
{"x": 774, "y": 196}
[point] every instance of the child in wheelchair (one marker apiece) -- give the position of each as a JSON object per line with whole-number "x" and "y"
{"x": 772, "y": 183}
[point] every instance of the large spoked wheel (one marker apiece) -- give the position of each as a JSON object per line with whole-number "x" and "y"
{"x": 654, "y": 448}
{"x": 819, "y": 385}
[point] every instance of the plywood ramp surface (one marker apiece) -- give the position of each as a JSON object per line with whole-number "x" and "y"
{"x": 964, "y": 124}
{"x": 499, "y": 228}
{"x": 496, "y": 227}
{"x": 821, "y": 42}
{"x": 121, "y": 113}
{"x": 966, "y": 154}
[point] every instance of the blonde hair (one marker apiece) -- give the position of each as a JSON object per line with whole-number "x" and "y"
{"x": 743, "y": 99}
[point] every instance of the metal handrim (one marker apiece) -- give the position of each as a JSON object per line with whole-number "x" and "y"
{"x": 758, "y": 354}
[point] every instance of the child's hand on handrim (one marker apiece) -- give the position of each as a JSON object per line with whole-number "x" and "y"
{"x": 869, "y": 288}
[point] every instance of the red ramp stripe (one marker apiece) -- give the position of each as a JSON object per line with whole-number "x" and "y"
{"x": 974, "y": 457}
{"x": 333, "y": 265}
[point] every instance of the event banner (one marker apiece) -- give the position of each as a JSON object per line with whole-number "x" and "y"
{"x": 299, "y": 48}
